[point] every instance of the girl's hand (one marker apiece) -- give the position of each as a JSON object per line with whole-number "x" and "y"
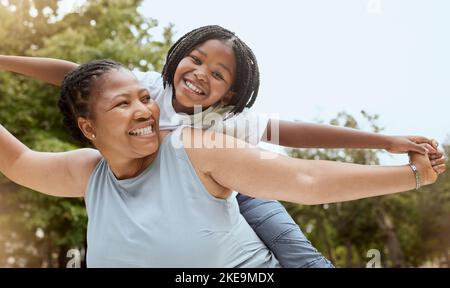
{"x": 405, "y": 144}
{"x": 428, "y": 172}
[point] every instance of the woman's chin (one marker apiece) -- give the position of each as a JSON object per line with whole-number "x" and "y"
{"x": 153, "y": 148}
{"x": 147, "y": 149}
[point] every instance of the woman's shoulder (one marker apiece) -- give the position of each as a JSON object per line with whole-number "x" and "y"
{"x": 92, "y": 156}
{"x": 86, "y": 159}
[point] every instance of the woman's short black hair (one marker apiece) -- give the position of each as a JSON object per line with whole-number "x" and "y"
{"x": 246, "y": 82}
{"x": 76, "y": 88}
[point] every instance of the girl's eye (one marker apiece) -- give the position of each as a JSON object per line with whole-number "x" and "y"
{"x": 196, "y": 60}
{"x": 218, "y": 75}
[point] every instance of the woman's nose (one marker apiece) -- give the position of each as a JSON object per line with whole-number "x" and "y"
{"x": 142, "y": 111}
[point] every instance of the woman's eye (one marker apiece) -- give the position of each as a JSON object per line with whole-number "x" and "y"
{"x": 122, "y": 104}
{"x": 147, "y": 99}
{"x": 196, "y": 60}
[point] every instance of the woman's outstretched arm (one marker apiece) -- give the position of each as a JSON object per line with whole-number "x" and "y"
{"x": 258, "y": 173}
{"x": 63, "y": 174}
{"x": 45, "y": 69}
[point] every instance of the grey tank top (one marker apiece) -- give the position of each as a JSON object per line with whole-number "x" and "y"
{"x": 165, "y": 217}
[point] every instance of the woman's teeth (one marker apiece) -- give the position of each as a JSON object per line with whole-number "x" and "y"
{"x": 194, "y": 88}
{"x": 142, "y": 131}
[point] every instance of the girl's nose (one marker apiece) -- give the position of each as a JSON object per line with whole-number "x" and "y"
{"x": 200, "y": 75}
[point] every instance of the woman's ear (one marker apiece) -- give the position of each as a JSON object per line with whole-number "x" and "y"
{"x": 86, "y": 128}
{"x": 227, "y": 98}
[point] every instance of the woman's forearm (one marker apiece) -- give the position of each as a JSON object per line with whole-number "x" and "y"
{"x": 309, "y": 135}
{"x": 336, "y": 182}
{"x": 45, "y": 69}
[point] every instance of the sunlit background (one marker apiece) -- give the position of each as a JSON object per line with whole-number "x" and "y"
{"x": 317, "y": 58}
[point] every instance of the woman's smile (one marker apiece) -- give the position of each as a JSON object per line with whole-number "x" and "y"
{"x": 144, "y": 130}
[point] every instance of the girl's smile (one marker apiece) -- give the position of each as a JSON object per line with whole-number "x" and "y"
{"x": 194, "y": 87}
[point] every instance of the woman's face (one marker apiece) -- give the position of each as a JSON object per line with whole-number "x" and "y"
{"x": 126, "y": 119}
{"x": 206, "y": 75}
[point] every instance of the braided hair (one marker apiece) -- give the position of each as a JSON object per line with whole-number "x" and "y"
{"x": 246, "y": 84}
{"x": 76, "y": 88}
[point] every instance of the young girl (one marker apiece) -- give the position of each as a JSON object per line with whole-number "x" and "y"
{"x": 212, "y": 68}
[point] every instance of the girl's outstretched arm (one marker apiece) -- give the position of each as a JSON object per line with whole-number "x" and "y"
{"x": 258, "y": 173}
{"x": 309, "y": 135}
{"x": 45, "y": 69}
{"x": 62, "y": 174}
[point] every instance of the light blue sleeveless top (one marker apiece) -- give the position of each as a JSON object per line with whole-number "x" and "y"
{"x": 165, "y": 217}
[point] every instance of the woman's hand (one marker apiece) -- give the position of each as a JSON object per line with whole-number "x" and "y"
{"x": 405, "y": 144}
{"x": 438, "y": 161}
{"x": 429, "y": 166}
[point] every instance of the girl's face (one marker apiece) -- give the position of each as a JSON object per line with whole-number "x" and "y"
{"x": 126, "y": 121}
{"x": 205, "y": 76}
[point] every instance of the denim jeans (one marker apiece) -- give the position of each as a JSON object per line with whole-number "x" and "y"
{"x": 276, "y": 228}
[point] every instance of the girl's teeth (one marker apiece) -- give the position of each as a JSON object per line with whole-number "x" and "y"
{"x": 194, "y": 88}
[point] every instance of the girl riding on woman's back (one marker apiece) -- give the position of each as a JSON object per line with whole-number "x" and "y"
{"x": 211, "y": 68}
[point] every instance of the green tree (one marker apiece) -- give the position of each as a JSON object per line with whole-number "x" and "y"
{"x": 37, "y": 230}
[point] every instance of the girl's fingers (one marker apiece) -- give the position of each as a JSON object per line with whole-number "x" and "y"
{"x": 430, "y": 148}
{"x": 420, "y": 139}
{"x": 420, "y": 148}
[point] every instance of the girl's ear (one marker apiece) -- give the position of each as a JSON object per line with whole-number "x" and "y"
{"x": 86, "y": 128}
{"x": 227, "y": 98}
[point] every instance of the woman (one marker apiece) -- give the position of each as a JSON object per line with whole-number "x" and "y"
{"x": 160, "y": 199}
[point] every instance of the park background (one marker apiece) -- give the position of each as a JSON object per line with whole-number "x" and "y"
{"x": 376, "y": 65}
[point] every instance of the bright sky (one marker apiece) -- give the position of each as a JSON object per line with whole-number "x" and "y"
{"x": 319, "y": 57}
